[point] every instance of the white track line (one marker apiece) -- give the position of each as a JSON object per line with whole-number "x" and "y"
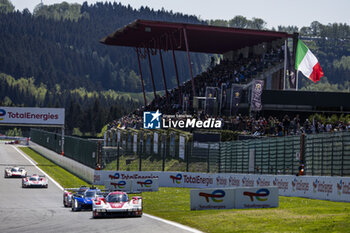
{"x": 174, "y": 224}
{"x": 26, "y": 157}
{"x": 150, "y": 216}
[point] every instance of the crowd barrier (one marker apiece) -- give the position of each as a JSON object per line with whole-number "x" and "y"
{"x": 84, "y": 172}
{"x": 314, "y": 187}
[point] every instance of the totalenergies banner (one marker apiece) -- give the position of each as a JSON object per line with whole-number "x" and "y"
{"x": 33, "y": 116}
{"x": 315, "y": 187}
{"x": 131, "y": 185}
{"x": 234, "y": 198}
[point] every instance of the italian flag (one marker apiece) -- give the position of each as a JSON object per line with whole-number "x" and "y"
{"x": 307, "y": 63}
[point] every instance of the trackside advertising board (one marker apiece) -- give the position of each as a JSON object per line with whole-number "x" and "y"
{"x": 122, "y": 185}
{"x": 33, "y": 116}
{"x": 315, "y": 187}
{"x": 131, "y": 185}
{"x": 266, "y": 197}
{"x": 145, "y": 185}
{"x": 205, "y": 199}
{"x": 234, "y": 198}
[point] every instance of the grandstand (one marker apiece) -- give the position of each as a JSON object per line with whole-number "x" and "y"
{"x": 247, "y": 55}
{"x": 225, "y": 88}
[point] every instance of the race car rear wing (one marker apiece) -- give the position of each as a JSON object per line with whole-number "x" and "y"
{"x": 77, "y": 189}
{"x": 105, "y": 192}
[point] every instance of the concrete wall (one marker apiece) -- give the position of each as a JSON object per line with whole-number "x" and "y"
{"x": 78, "y": 169}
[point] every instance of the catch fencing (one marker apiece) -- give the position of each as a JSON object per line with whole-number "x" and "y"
{"x": 162, "y": 157}
{"x": 326, "y": 154}
{"x": 81, "y": 150}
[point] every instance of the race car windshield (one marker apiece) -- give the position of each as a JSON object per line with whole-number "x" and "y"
{"x": 117, "y": 198}
{"x": 14, "y": 170}
{"x": 90, "y": 194}
{"x": 33, "y": 179}
{"x": 81, "y": 191}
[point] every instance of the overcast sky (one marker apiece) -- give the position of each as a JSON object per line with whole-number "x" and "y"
{"x": 274, "y": 12}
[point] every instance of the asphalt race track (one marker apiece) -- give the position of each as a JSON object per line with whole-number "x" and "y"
{"x": 41, "y": 210}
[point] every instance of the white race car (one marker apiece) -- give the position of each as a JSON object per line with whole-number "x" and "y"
{"x": 34, "y": 181}
{"x": 117, "y": 204}
{"x": 19, "y": 172}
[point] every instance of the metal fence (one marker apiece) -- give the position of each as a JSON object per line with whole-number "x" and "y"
{"x": 328, "y": 154}
{"x": 81, "y": 150}
{"x": 162, "y": 157}
{"x": 322, "y": 154}
{"x": 261, "y": 156}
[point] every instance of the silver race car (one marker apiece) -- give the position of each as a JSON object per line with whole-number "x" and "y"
{"x": 18, "y": 172}
{"x": 34, "y": 181}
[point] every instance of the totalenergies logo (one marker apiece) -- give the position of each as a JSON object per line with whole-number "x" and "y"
{"x": 2, "y": 113}
{"x": 258, "y": 194}
{"x": 339, "y": 187}
{"x": 214, "y": 195}
{"x": 115, "y": 176}
{"x": 176, "y": 178}
{"x": 146, "y": 183}
{"x": 314, "y": 184}
{"x": 120, "y": 184}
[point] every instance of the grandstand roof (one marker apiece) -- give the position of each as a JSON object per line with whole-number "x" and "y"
{"x": 201, "y": 38}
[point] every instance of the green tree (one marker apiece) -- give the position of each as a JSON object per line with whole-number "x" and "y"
{"x": 6, "y": 6}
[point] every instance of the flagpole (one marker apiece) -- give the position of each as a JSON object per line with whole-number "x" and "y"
{"x": 285, "y": 64}
{"x": 297, "y": 81}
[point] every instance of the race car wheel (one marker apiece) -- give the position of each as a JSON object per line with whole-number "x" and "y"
{"x": 75, "y": 205}
{"x": 65, "y": 202}
{"x": 95, "y": 214}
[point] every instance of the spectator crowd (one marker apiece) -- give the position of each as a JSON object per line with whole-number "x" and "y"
{"x": 241, "y": 71}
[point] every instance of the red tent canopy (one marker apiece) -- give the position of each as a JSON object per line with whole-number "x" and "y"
{"x": 201, "y": 38}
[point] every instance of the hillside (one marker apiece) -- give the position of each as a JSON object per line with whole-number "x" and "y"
{"x": 52, "y": 57}
{"x": 64, "y": 48}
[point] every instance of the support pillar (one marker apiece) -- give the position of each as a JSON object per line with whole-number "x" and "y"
{"x": 151, "y": 71}
{"x": 164, "y": 80}
{"x": 189, "y": 62}
{"x": 141, "y": 77}
{"x": 62, "y": 142}
{"x": 176, "y": 71}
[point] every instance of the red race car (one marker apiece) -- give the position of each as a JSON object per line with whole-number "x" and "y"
{"x": 117, "y": 204}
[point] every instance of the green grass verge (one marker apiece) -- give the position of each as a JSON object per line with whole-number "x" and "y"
{"x": 59, "y": 174}
{"x": 155, "y": 164}
{"x": 293, "y": 215}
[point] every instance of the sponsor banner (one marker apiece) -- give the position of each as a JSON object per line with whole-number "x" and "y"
{"x": 134, "y": 141}
{"x": 102, "y": 176}
{"x": 145, "y": 185}
{"x": 155, "y": 143}
{"x": 172, "y": 179}
{"x": 36, "y": 116}
{"x": 255, "y": 104}
{"x": 121, "y": 185}
{"x": 182, "y": 147}
{"x": 203, "y": 199}
{"x": 315, "y": 187}
{"x": 264, "y": 197}
{"x": 132, "y": 185}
